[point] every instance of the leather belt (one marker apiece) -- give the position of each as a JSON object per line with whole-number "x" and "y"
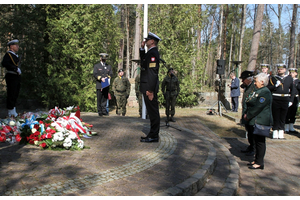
{"x": 281, "y": 95}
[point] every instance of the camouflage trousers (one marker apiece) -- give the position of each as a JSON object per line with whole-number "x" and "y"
{"x": 121, "y": 104}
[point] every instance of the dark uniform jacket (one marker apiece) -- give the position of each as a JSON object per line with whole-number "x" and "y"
{"x": 235, "y": 87}
{"x": 170, "y": 85}
{"x": 297, "y": 87}
{"x": 285, "y": 91}
{"x": 121, "y": 86}
{"x": 149, "y": 70}
{"x": 104, "y": 71}
{"x": 247, "y": 92}
{"x": 259, "y": 107}
{"x": 10, "y": 62}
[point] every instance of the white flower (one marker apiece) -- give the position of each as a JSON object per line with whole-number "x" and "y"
{"x": 72, "y": 135}
{"x": 70, "y": 108}
{"x": 58, "y": 136}
{"x": 80, "y": 144}
{"x": 33, "y": 130}
{"x": 67, "y": 143}
{"x": 12, "y": 123}
{"x": 36, "y": 142}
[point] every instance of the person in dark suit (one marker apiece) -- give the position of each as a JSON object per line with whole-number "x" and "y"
{"x": 259, "y": 111}
{"x": 234, "y": 92}
{"x": 249, "y": 88}
{"x": 13, "y": 76}
{"x": 149, "y": 84}
{"x": 102, "y": 73}
{"x": 292, "y": 110}
{"x": 282, "y": 88}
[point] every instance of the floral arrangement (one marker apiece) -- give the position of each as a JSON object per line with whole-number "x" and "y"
{"x": 57, "y": 129}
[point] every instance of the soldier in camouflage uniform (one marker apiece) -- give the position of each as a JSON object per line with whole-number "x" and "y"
{"x": 170, "y": 89}
{"x": 121, "y": 89}
{"x": 138, "y": 93}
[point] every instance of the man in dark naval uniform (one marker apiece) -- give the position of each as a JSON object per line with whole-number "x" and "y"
{"x": 290, "y": 117}
{"x": 102, "y": 73}
{"x": 13, "y": 76}
{"x": 281, "y": 86}
{"x": 149, "y": 84}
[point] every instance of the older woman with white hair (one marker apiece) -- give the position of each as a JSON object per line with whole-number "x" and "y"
{"x": 259, "y": 115}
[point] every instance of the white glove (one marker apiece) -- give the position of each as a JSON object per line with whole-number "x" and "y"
{"x": 19, "y": 71}
{"x": 290, "y": 104}
{"x": 277, "y": 83}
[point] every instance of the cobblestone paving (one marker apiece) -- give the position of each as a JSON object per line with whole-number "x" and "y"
{"x": 166, "y": 147}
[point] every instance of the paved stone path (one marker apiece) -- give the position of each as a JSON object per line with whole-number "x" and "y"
{"x": 193, "y": 161}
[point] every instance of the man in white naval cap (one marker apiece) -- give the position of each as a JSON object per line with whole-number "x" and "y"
{"x": 281, "y": 86}
{"x": 290, "y": 117}
{"x": 11, "y": 62}
{"x": 102, "y": 73}
{"x": 149, "y": 84}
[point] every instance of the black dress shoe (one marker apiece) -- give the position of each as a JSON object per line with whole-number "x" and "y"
{"x": 260, "y": 167}
{"x": 143, "y": 137}
{"x": 172, "y": 120}
{"x": 251, "y": 163}
{"x": 148, "y": 140}
{"x": 100, "y": 114}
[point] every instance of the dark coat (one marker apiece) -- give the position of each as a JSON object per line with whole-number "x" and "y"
{"x": 149, "y": 70}
{"x": 235, "y": 87}
{"x": 104, "y": 71}
{"x": 259, "y": 107}
{"x": 10, "y": 64}
{"x": 286, "y": 87}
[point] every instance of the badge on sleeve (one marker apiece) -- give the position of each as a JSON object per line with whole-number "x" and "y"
{"x": 152, "y": 59}
{"x": 262, "y": 99}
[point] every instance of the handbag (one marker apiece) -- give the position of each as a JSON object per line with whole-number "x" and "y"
{"x": 261, "y": 130}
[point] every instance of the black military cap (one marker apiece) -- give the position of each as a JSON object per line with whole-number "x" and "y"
{"x": 170, "y": 69}
{"x": 293, "y": 69}
{"x": 152, "y": 36}
{"x": 104, "y": 56}
{"x": 264, "y": 65}
{"x": 245, "y": 74}
{"x": 13, "y": 42}
{"x": 282, "y": 65}
{"x": 120, "y": 70}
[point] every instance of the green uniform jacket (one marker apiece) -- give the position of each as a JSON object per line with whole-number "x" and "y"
{"x": 247, "y": 92}
{"x": 259, "y": 107}
{"x": 170, "y": 84}
{"x": 121, "y": 86}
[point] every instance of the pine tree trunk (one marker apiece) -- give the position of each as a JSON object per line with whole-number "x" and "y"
{"x": 292, "y": 37}
{"x": 244, "y": 9}
{"x": 255, "y": 38}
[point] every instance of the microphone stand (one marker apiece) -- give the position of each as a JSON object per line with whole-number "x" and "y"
{"x": 167, "y": 121}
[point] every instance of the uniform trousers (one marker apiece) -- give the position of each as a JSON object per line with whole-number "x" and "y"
{"x": 279, "y": 111}
{"x": 121, "y": 104}
{"x": 153, "y": 112}
{"x": 13, "y": 83}
{"x": 260, "y": 149}
{"x": 291, "y": 114}
{"x": 170, "y": 102}
{"x": 102, "y": 96}
{"x": 235, "y": 103}
{"x": 250, "y": 129}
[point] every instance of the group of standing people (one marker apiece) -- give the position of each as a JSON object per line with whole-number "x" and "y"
{"x": 268, "y": 101}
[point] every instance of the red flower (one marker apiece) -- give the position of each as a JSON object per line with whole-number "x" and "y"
{"x": 41, "y": 122}
{"x": 36, "y": 126}
{"x": 18, "y": 138}
{"x": 43, "y": 145}
{"x": 2, "y": 138}
{"x": 49, "y": 135}
{"x": 43, "y": 137}
{"x": 31, "y": 142}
